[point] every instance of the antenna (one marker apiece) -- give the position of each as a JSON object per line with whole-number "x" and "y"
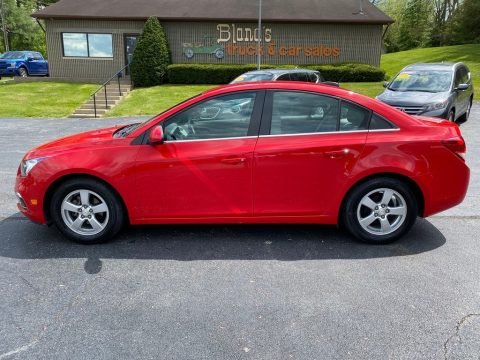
{"x": 360, "y": 7}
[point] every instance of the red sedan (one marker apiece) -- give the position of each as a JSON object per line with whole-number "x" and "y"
{"x": 251, "y": 153}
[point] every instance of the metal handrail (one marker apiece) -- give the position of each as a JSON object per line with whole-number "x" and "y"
{"x": 118, "y": 75}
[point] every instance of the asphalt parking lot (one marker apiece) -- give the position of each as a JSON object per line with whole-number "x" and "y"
{"x": 236, "y": 292}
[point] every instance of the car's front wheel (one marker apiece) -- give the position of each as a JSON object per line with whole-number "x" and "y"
{"x": 22, "y": 72}
{"x": 380, "y": 210}
{"x": 86, "y": 211}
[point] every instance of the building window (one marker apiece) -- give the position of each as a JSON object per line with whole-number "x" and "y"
{"x": 87, "y": 45}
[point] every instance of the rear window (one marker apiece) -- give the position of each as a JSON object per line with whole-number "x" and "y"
{"x": 253, "y": 77}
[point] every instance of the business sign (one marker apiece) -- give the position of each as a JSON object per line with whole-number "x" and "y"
{"x": 243, "y": 41}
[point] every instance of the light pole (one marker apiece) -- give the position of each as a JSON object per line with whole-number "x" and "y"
{"x": 4, "y": 27}
{"x": 260, "y": 34}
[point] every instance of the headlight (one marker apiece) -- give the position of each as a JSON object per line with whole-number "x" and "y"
{"x": 12, "y": 64}
{"x": 27, "y": 165}
{"x": 438, "y": 105}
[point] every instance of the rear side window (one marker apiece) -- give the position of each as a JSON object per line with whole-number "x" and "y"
{"x": 313, "y": 77}
{"x": 299, "y": 77}
{"x": 284, "y": 77}
{"x": 353, "y": 117}
{"x": 379, "y": 123}
{"x": 303, "y": 113}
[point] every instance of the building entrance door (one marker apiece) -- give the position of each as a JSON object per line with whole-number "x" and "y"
{"x": 130, "y": 43}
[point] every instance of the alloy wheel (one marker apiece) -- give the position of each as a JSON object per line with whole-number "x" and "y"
{"x": 85, "y": 212}
{"x": 382, "y": 211}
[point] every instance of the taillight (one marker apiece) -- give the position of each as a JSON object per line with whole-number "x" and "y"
{"x": 457, "y": 146}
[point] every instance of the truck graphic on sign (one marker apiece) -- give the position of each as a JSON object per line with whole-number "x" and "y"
{"x": 205, "y": 47}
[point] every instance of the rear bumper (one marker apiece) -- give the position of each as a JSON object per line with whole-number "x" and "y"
{"x": 446, "y": 189}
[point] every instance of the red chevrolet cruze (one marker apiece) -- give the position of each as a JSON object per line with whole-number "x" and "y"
{"x": 251, "y": 153}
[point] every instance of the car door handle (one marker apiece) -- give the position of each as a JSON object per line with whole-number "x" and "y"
{"x": 234, "y": 161}
{"x": 337, "y": 154}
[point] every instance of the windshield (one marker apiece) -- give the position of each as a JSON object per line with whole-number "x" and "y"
{"x": 253, "y": 77}
{"x": 433, "y": 81}
{"x": 13, "y": 55}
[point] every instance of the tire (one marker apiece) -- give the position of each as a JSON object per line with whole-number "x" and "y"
{"x": 101, "y": 208}
{"x": 384, "y": 221}
{"x": 23, "y": 72}
{"x": 467, "y": 113}
{"x": 451, "y": 116}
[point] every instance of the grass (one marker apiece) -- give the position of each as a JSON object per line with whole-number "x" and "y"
{"x": 42, "y": 99}
{"x": 153, "y": 100}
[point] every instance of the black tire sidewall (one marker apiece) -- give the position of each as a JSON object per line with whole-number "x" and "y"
{"x": 116, "y": 216}
{"x": 349, "y": 216}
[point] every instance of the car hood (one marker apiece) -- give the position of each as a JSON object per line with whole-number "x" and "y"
{"x": 411, "y": 98}
{"x": 80, "y": 141}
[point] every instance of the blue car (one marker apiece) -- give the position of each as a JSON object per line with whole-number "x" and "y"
{"x": 23, "y": 63}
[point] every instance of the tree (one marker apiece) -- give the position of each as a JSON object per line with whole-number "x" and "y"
{"x": 443, "y": 11}
{"x": 24, "y": 33}
{"x": 463, "y": 27}
{"x": 151, "y": 56}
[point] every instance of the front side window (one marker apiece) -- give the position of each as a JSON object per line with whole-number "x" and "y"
{"x": 303, "y": 113}
{"x": 87, "y": 45}
{"x": 219, "y": 118}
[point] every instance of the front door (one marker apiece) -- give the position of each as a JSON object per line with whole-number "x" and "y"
{"x": 205, "y": 167}
{"x": 130, "y": 44}
{"x": 305, "y": 156}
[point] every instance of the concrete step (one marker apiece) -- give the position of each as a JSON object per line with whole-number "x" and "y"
{"x": 82, "y": 116}
{"x": 101, "y": 98}
{"x": 91, "y": 111}
{"x": 90, "y": 105}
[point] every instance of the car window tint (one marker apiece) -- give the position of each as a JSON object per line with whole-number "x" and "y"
{"x": 303, "y": 113}
{"x": 379, "y": 123}
{"x": 312, "y": 77}
{"x": 302, "y": 77}
{"x": 222, "y": 117}
{"x": 284, "y": 77}
{"x": 353, "y": 117}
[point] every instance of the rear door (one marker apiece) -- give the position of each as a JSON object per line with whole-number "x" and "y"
{"x": 308, "y": 145}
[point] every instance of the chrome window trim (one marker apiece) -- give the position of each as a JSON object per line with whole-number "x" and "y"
{"x": 214, "y": 139}
{"x": 331, "y": 132}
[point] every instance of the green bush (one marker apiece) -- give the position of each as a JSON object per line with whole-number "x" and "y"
{"x": 350, "y": 72}
{"x": 151, "y": 56}
{"x": 224, "y": 74}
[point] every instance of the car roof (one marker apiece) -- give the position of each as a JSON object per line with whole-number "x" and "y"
{"x": 432, "y": 66}
{"x": 279, "y": 71}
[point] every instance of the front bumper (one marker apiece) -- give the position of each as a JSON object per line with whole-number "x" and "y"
{"x": 8, "y": 72}
{"x": 30, "y": 199}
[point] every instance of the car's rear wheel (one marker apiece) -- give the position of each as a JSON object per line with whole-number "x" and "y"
{"x": 380, "y": 210}
{"x": 86, "y": 211}
{"x": 22, "y": 72}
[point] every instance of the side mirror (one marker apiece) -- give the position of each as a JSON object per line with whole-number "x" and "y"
{"x": 385, "y": 84}
{"x": 331, "y": 83}
{"x": 463, "y": 87}
{"x": 156, "y": 136}
{"x": 30, "y": 59}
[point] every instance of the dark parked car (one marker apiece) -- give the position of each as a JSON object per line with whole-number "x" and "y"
{"x": 23, "y": 63}
{"x": 283, "y": 75}
{"x": 436, "y": 90}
